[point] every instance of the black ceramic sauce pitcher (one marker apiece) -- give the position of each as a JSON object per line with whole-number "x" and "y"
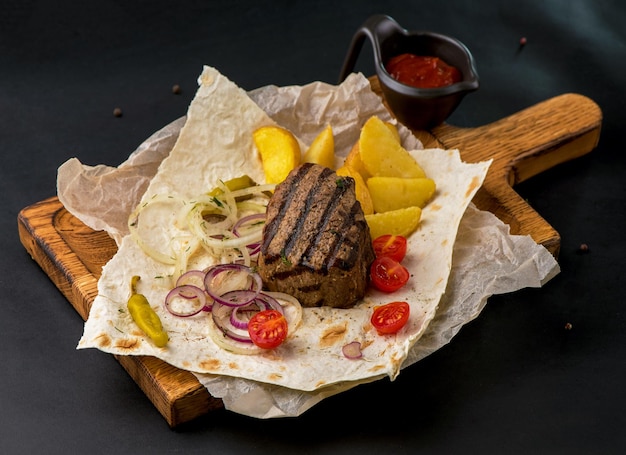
{"x": 417, "y": 108}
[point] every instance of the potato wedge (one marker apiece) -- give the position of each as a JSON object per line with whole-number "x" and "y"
{"x": 353, "y": 160}
{"x": 383, "y": 155}
{"x": 280, "y": 152}
{"x": 392, "y": 193}
{"x": 396, "y": 222}
{"x": 394, "y": 129}
{"x": 360, "y": 188}
{"x": 322, "y": 149}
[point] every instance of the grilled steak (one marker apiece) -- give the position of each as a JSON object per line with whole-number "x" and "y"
{"x": 316, "y": 243}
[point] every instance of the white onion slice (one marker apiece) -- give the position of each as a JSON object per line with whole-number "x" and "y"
{"x": 219, "y": 238}
{"x": 229, "y": 344}
{"x": 221, "y": 318}
{"x": 134, "y": 227}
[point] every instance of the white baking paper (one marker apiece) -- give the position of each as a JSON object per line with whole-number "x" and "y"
{"x": 487, "y": 259}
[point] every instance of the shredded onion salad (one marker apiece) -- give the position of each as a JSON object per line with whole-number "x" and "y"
{"x": 232, "y": 293}
{"x": 228, "y": 225}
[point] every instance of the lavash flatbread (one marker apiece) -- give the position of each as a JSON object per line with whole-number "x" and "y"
{"x": 216, "y": 143}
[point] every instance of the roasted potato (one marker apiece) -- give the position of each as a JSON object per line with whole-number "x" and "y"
{"x": 383, "y": 155}
{"x": 322, "y": 149}
{"x": 396, "y": 222}
{"x": 391, "y": 193}
{"x": 280, "y": 152}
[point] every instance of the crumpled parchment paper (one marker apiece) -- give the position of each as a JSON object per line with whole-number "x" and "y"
{"x": 487, "y": 259}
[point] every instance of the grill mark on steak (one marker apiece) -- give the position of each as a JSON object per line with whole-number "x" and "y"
{"x": 338, "y": 234}
{"x": 292, "y": 222}
{"x": 316, "y": 243}
{"x": 310, "y": 221}
{"x": 340, "y": 239}
{"x": 311, "y": 231}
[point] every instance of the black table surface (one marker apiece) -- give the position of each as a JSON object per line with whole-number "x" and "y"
{"x": 512, "y": 381}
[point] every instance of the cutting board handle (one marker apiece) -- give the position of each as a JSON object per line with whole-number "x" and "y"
{"x": 523, "y": 145}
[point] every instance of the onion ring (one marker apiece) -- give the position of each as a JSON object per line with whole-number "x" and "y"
{"x": 240, "y": 316}
{"x": 194, "y": 277}
{"x": 221, "y": 318}
{"x": 228, "y": 328}
{"x": 238, "y": 277}
{"x": 224, "y": 342}
{"x": 188, "y": 293}
{"x": 257, "y": 220}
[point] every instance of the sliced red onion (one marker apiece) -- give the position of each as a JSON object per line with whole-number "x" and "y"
{"x": 240, "y": 316}
{"x": 193, "y": 277}
{"x": 249, "y": 280}
{"x": 232, "y": 317}
{"x": 253, "y": 248}
{"x": 221, "y": 318}
{"x": 255, "y": 218}
{"x": 238, "y": 298}
{"x": 270, "y": 301}
{"x": 352, "y": 350}
{"x": 193, "y": 296}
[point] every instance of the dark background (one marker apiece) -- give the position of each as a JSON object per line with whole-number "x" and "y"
{"x": 512, "y": 381}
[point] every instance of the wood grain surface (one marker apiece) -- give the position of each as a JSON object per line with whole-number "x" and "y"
{"x": 521, "y": 145}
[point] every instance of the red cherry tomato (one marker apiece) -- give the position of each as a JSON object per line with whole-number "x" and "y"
{"x": 267, "y": 329}
{"x": 387, "y": 274}
{"x": 391, "y": 317}
{"x": 393, "y": 246}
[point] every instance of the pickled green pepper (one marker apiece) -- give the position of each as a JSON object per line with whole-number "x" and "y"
{"x": 144, "y": 316}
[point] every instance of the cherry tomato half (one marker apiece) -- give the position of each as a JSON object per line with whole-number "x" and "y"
{"x": 391, "y": 317}
{"x": 393, "y": 246}
{"x": 387, "y": 274}
{"x": 267, "y": 329}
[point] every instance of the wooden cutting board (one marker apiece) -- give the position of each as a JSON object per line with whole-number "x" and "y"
{"x": 522, "y": 145}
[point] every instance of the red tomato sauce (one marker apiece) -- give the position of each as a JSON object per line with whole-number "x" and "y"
{"x": 422, "y": 71}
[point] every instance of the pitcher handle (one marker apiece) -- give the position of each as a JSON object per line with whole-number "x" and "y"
{"x": 377, "y": 28}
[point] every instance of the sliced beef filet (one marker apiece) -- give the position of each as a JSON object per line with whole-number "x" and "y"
{"x": 316, "y": 243}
